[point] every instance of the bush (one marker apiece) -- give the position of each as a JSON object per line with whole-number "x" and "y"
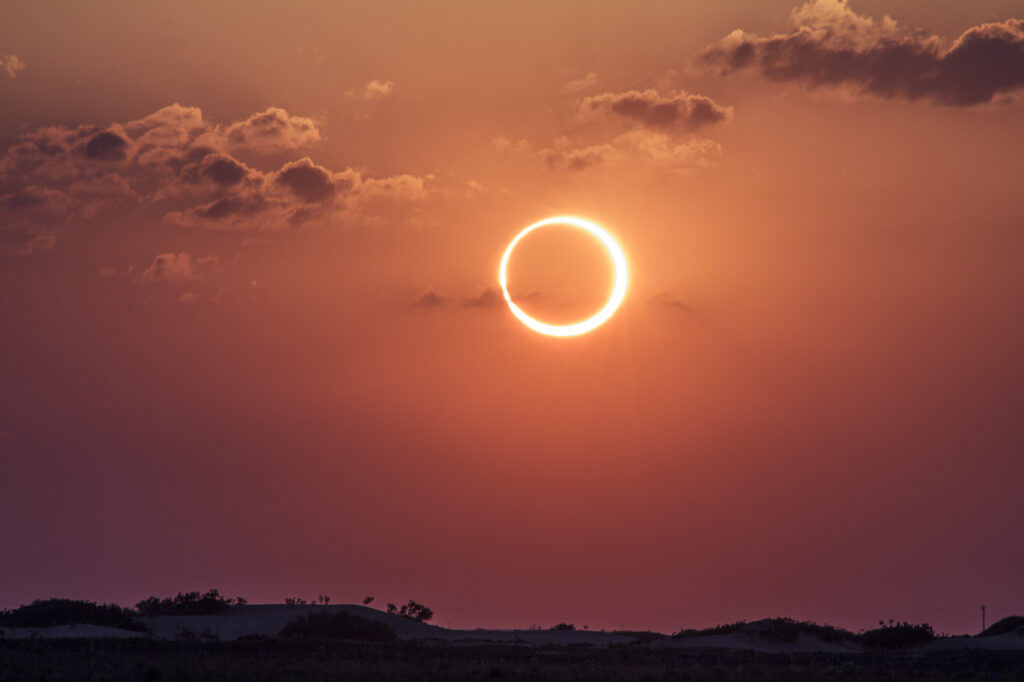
{"x": 563, "y": 626}
{"x": 338, "y": 625}
{"x": 187, "y": 604}
{"x": 412, "y": 611}
{"x": 787, "y": 630}
{"x": 1014, "y": 624}
{"x": 640, "y": 636}
{"x": 897, "y": 635}
{"x": 44, "y": 613}
{"x": 707, "y": 632}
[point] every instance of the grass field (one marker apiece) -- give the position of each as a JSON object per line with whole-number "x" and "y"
{"x": 260, "y": 659}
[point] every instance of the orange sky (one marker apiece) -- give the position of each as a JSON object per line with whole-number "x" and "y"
{"x": 249, "y": 336}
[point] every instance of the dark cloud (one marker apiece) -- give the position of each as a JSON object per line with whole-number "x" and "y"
{"x": 176, "y": 161}
{"x": 106, "y": 146}
{"x": 488, "y": 298}
{"x": 170, "y": 268}
{"x": 227, "y": 207}
{"x": 671, "y": 301}
{"x": 428, "y": 299}
{"x": 576, "y": 159}
{"x": 222, "y": 169}
{"x": 650, "y": 108}
{"x": 307, "y": 181}
{"x": 830, "y": 45}
{"x": 642, "y": 128}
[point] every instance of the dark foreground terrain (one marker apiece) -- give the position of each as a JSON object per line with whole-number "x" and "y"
{"x": 273, "y": 659}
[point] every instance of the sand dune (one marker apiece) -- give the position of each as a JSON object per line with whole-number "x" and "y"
{"x": 268, "y": 620}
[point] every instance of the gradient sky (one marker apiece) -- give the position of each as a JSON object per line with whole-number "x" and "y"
{"x": 250, "y": 339}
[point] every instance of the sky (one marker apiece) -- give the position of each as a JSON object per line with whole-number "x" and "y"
{"x": 251, "y": 335}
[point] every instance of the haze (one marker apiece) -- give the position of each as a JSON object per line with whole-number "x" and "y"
{"x": 250, "y": 336}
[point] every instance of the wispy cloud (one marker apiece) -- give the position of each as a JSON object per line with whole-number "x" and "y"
{"x": 374, "y": 89}
{"x": 11, "y": 64}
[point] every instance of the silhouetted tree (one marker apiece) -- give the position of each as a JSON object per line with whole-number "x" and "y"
{"x": 43, "y": 613}
{"x": 188, "y": 604}
{"x": 415, "y": 611}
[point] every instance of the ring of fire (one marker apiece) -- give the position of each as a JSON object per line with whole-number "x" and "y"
{"x": 576, "y": 328}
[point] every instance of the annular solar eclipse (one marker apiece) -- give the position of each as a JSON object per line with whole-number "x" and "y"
{"x": 599, "y": 318}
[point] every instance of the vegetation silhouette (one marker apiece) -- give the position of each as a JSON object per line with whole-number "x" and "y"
{"x": 893, "y": 635}
{"x": 412, "y": 610}
{"x": 896, "y": 635}
{"x": 188, "y": 604}
{"x": 44, "y": 613}
{"x": 337, "y": 625}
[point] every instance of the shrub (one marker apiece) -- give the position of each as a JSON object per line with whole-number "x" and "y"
{"x": 726, "y": 629}
{"x": 563, "y": 626}
{"x": 897, "y": 635}
{"x": 640, "y": 636}
{"x": 412, "y": 611}
{"x": 787, "y": 630}
{"x": 338, "y": 625}
{"x": 43, "y": 613}
{"x": 187, "y": 604}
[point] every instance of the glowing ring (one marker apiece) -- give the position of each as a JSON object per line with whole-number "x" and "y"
{"x": 577, "y": 328}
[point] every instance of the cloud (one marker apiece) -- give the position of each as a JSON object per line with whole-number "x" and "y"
{"x": 580, "y": 84}
{"x": 671, "y": 301}
{"x": 105, "y": 146}
{"x": 189, "y": 170}
{"x": 647, "y": 127}
{"x": 490, "y": 297}
{"x": 830, "y": 45}
{"x": 170, "y": 268}
{"x": 486, "y": 298}
{"x": 43, "y": 240}
{"x": 561, "y": 157}
{"x": 374, "y": 89}
{"x": 649, "y": 108}
{"x": 188, "y": 297}
{"x": 307, "y": 181}
{"x": 654, "y": 150}
{"x": 11, "y": 63}
{"x": 272, "y": 131}
{"x": 664, "y": 152}
{"x": 429, "y": 298}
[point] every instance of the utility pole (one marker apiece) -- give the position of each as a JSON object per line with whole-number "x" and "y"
{"x": 983, "y": 619}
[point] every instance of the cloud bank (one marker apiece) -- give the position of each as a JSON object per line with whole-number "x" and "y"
{"x": 830, "y": 45}
{"x": 194, "y": 172}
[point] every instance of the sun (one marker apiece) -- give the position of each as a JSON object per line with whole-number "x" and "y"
{"x": 584, "y": 326}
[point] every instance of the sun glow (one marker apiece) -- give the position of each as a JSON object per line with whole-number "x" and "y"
{"x": 584, "y": 326}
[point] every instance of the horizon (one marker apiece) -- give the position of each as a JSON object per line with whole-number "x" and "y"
{"x": 252, "y": 332}
{"x": 432, "y": 619}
